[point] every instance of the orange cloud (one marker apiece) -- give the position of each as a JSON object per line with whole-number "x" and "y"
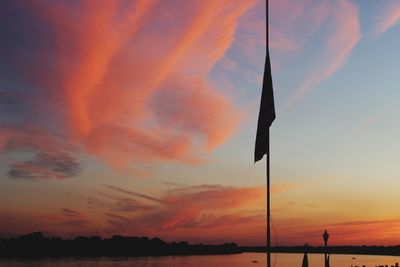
{"x": 204, "y": 213}
{"x": 128, "y": 79}
{"x": 384, "y": 232}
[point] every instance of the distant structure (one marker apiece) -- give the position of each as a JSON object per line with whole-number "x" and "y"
{"x": 325, "y": 236}
{"x": 305, "y": 257}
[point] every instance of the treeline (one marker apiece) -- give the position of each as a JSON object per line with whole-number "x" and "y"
{"x": 358, "y": 250}
{"x": 36, "y": 245}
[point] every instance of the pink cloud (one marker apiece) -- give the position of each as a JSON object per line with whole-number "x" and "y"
{"x": 135, "y": 77}
{"x": 342, "y": 36}
{"x": 293, "y": 22}
{"x": 129, "y": 79}
{"x": 389, "y": 16}
{"x": 333, "y": 26}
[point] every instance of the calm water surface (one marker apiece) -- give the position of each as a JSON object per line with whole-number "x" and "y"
{"x": 239, "y": 260}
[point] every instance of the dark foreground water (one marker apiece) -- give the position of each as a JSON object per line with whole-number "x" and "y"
{"x": 239, "y": 260}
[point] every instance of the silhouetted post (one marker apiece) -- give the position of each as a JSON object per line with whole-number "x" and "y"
{"x": 268, "y": 159}
{"x": 325, "y": 236}
{"x": 265, "y": 119}
{"x": 305, "y": 257}
{"x": 268, "y": 207}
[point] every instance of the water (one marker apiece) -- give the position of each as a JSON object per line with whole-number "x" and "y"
{"x": 238, "y": 260}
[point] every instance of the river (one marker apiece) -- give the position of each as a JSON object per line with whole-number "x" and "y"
{"x": 237, "y": 260}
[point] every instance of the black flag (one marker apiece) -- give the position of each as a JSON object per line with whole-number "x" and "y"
{"x": 267, "y": 113}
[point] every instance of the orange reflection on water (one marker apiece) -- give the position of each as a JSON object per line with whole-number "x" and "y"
{"x": 238, "y": 260}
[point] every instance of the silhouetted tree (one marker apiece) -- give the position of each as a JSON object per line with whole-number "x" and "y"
{"x": 37, "y": 245}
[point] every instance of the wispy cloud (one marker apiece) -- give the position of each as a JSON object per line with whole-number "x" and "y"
{"x": 132, "y": 193}
{"x": 33, "y": 154}
{"x": 201, "y": 212}
{"x": 342, "y": 29}
{"x": 367, "y": 122}
{"x": 124, "y": 81}
{"x": 316, "y": 36}
{"x": 45, "y": 166}
{"x": 71, "y": 213}
{"x": 288, "y": 16}
{"x": 389, "y": 16}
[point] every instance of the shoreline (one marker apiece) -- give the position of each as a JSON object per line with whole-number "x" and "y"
{"x": 338, "y": 250}
{"x": 37, "y": 245}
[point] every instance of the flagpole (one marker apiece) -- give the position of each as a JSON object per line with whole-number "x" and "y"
{"x": 268, "y": 207}
{"x": 268, "y": 154}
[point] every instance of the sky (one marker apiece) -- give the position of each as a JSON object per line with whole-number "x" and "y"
{"x": 139, "y": 118}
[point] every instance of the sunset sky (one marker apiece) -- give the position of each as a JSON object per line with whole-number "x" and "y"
{"x": 139, "y": 118}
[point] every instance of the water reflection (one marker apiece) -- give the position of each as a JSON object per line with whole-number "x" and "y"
{"x": 239, "y": 260}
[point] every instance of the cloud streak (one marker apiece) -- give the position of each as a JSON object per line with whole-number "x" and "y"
{"x": 367, "y": 122}
{"x": 127, "y": 83}
{"x": 389, "y": 16}
{"x": 131, "y": 193}
{"x": 33, "y": 154}
{"x": 318, "y": 37}
{"x": 342, "y": 34}
{"x": 209, "y": 213}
